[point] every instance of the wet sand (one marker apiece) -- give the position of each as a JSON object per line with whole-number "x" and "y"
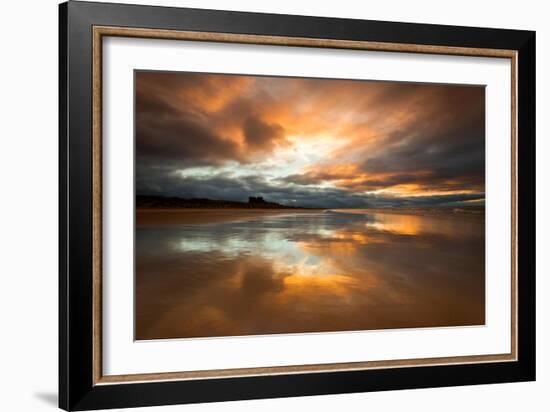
{"x": 461, "y": 213}
{"x": 192, "y": 216}
{"x": 265, "y": 271}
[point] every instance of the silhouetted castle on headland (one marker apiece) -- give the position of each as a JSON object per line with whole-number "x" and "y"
{"x": 256, "y": 200}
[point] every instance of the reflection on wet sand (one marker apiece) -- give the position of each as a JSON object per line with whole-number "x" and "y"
{"x": 314, "y": 272}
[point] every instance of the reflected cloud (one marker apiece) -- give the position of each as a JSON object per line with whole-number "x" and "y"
{"x": 309, "y": 273}
{"x": 403, "y": 225}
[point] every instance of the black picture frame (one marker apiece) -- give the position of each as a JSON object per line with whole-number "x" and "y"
{"x": 77, "y": 390}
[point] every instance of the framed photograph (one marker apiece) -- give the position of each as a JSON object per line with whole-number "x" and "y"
{"x": 256, "y": 205}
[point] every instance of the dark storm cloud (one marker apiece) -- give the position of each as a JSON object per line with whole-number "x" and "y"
{"x": 261, "y": 135}
{"x": 175, "y": 124}
{"x": 167, "y": 133}
{"x": 446, "y": 139}
{"x": 182, "y": 139}
{"x": 165, "y": 183}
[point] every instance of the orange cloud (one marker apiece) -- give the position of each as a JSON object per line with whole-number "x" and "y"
{"x": 402, "y": 139}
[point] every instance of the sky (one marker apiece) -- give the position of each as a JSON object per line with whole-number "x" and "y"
{"x": 309, "y": 142}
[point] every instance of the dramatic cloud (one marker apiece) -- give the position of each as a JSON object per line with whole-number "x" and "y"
{"x": 309, "y": 142}
{"x": 260, "y": 135}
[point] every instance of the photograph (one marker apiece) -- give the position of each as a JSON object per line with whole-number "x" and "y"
{"x": 283, "y": 205}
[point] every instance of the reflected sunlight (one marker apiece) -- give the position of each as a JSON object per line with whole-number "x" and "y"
{"x": 291, "y": 273}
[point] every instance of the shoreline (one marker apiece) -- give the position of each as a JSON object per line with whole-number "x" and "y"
{"x": 450, "y": 213}
{"x": 201, "y": 216}
{"x": 198, "y": 216}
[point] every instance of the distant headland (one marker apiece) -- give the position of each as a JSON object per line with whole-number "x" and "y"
{"x": 161, "y": 202}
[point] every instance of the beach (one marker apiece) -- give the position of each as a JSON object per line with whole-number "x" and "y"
{"x": 201, "y": 216}
{"x": 439, "y": 212}
{"x": 235, "y": 272}
{"x": 196, "y": 216}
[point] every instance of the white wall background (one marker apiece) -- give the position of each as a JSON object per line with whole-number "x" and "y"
{"x": 28, "y": 204}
